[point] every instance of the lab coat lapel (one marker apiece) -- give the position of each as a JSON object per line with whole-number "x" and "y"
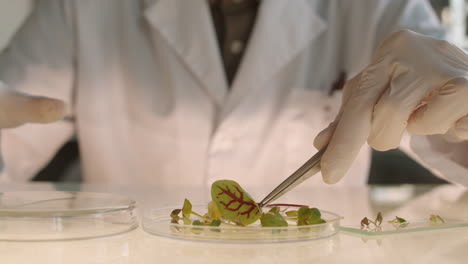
{"x": 187, "y": 27}
{"x": 283, "y": 29}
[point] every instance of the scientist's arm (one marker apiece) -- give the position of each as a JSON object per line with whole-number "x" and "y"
{"x": 36, "y": 66}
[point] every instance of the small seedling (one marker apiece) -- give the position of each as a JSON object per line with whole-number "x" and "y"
{"x": 435, "y": 219}
{"x": 399, "y": 222}
{"x": 366, "y": 223}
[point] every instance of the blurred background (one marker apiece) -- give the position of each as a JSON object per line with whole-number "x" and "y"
{"x": 391, "y": 167}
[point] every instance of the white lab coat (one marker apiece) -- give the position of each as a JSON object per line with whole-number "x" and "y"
{"x": 145, "y": 84}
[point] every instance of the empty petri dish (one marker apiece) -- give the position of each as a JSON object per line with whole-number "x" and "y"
{"x": 158, "y": 222}
{"x": 43, "y": 216}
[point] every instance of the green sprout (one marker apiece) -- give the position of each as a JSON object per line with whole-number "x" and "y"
{"x": 398, "y": 220}
{"x": 215, "y": 222}
{"x": 275, "y": 210}
{"x": 175, "y": 216}
{"x": 292, "y": 213}
{"x": 378, "y": 219}
{"x": 309, "y": 216}
{"x": 213, "y": 211}
{"x": 434, "y": 219}
{"x": 366, "y": 223}
{"x": 273, "y": 219}
{"x": 186, "y": 211}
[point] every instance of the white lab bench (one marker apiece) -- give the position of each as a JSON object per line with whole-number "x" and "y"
{"x": 137, "y": 246}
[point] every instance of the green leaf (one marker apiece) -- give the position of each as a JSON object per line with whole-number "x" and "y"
{"x": 274, "y": 210}
{"x": 309, "y": 216}
{"x": 308, "y": 212}
{"x": 186, "y": 211}
{"x": 440, "y": 218}
{"x": 378, "y": 219}
{"x": 197, "y": 230}
{"x": 272, "y": 219}
{"x": 234, "y": 203}
{"x": 197, "y": 223}
{"x": 315, "y": 221}
{"x": 398, "y": 220}
{"x": 302, "y": 216}
{"x": 436, "y": 218}
{"x": 292, "y": 213}
{"x": 315, "y": 212}
{"x": 175, "y": 215}
{"x": 365, "y": 222}
{"x": 187, "y": 208}
{"x": 215, "y": 222}
{"x": 213, "y": 211}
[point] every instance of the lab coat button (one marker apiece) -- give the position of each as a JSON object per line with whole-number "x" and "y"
{"x": 236, "y": 47}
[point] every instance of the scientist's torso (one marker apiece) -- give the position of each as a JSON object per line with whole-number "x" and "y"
{"x": 152, "y": 104}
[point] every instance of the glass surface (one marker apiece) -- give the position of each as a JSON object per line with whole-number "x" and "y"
{"x": 412, "y": 226}
{"x": 39, "y": 216}
{"x": 157, "y": 222}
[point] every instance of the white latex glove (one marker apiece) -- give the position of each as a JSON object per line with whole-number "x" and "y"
{"x": 18, "y": 108}
{"x": 414, "y": 83}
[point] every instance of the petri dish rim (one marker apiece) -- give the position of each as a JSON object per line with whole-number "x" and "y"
{"x": 95, "y": 215}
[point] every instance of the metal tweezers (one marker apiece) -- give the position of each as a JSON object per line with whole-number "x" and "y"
{"x": 311, "y": 167}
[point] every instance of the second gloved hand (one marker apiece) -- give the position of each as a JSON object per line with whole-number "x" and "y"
{"x": 414, "y": 83}
{"x": 17, "y": 108}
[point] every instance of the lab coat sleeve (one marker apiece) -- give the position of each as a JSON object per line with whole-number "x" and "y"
{"x": 373, "y": 20}
{"x": 416, "y": 15}
{"x": 443, "y": 158}
{"x": 38, "y": 61}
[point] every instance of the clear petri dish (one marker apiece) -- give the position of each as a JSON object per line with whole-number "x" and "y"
{"x": 158, "y": 222}
{"x": 45, "y": 216}
{"x": 412, "y": 226}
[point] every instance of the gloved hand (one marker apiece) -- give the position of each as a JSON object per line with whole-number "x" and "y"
{"x": 414, "y": 83}
{"x": 17, "y": 108}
